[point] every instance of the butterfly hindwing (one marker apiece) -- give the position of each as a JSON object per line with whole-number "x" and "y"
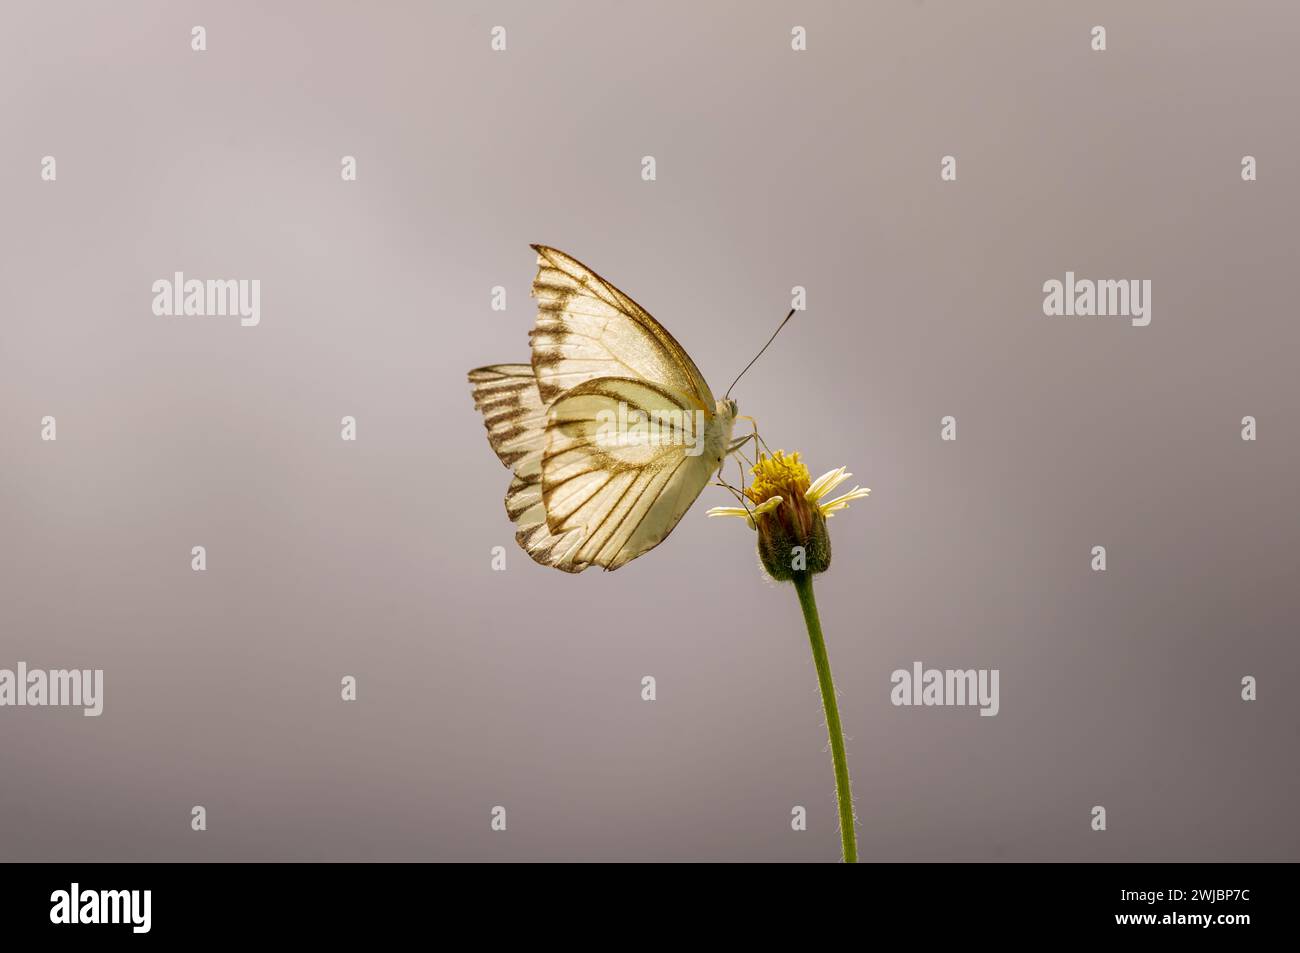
{"x": 623, "y": 499}
{"x": 516, "y": 425}
{"x": 506, "y": 394}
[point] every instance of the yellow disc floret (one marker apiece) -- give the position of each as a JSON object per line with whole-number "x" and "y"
{"x": 779, "y": 475}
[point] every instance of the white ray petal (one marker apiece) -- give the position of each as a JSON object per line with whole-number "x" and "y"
{"x": 825, "y": 483}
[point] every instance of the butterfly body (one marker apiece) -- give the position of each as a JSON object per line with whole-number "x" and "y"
{"x": 717, "y": 435}
{"x": 611, "y": 431}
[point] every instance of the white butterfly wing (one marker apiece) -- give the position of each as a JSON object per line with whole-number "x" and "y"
{"x": 578, "y": 501}
{"x": 586, "y": 328}
{"x": 623, "y": 500}
{"x": 516, "y": 425}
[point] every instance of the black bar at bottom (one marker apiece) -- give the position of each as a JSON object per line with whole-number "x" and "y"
{"x": 374, "y": 901}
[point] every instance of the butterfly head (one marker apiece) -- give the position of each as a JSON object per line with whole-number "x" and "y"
{"x": 717, "y": 433}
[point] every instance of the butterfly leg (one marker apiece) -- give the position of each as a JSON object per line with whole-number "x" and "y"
{"x": 734, "y": 449}
{"x": 755, "y": 436}
{"x": 738, "y": 443}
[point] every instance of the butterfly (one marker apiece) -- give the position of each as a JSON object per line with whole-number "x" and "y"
{"x": 611, "y": 431}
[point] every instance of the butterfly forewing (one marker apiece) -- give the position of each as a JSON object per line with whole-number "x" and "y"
{"x": 586, "y": 328}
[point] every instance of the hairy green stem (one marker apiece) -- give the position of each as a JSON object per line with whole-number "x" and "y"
{"x": 808, "y": 602}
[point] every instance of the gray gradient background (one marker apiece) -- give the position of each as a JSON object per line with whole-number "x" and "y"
{"x": 521, "y": 688}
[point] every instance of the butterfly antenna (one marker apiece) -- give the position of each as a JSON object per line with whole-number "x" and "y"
{"x": 760, "y": 353}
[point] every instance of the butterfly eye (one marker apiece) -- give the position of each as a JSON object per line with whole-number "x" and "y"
{"x": 733, "y": 407}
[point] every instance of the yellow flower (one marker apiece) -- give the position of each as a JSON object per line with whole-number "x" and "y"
{"x": 790, "y": 513}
